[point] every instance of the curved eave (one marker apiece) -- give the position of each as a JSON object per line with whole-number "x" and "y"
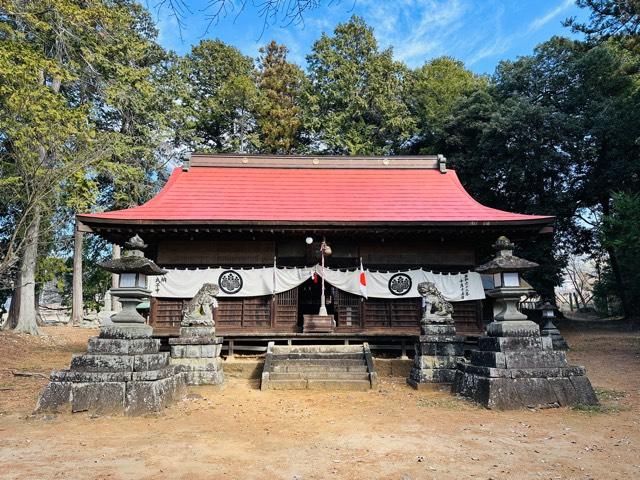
{"x": 106, "y": 222}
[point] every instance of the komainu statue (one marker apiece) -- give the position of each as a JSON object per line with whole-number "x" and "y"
{"x": 437, "y": 309}
{"x": 199, "y": 310}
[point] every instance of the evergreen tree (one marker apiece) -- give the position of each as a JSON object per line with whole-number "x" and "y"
{"x": 280, "y": 105}
{"x": 357, "y": 94}
{"x": 222, "y": 98}
{"x": 434, "y": 91}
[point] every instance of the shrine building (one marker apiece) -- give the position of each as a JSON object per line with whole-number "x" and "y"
{"x": 255, "y": 226}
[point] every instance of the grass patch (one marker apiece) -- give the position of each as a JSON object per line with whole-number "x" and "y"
{"x": 447, "y": 403}
{"x": 609, "y": 402}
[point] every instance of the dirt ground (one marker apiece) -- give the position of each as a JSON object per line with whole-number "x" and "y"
{"x": 240, "y": 432}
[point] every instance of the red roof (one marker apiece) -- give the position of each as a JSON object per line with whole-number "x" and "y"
{"x": 307, "y": 195}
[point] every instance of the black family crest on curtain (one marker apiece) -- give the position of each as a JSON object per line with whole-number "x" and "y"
{"x": 230, "y": 282}
{"x": 399, "y": 284}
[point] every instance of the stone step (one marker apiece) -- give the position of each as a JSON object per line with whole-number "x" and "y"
{"x": 320, "y": 356}
{"x": 319, "y": 362}
{"x": 318, "y": 376}
{"x": 284, "y": 367}
{"x": 320, "y": 384}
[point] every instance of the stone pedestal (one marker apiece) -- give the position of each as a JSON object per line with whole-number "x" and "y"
{"x": 438, "y": 351}
{"x": 516, "y": 367}
{"x": 196, "y": 354}
{"x": 557, "y": 340}
{"x": 318, "y": 323}
{"x": 123, "y": 371}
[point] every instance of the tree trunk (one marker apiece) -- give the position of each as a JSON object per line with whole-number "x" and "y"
{"x": 115, "y": 304}
{"x": 627, "y": 306}
{"x": 77, "y": 307}
{"x": 14, "y": 306}
{"x": 25, "y": 293}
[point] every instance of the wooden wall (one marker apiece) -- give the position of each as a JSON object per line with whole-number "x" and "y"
{"x": 216, "y": 252}
{"x": 290, "y": 252}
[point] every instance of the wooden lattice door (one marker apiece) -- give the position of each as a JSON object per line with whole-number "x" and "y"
{"x": 348, "y": 310}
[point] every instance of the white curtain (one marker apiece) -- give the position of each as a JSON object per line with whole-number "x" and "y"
{"x": 255, "y": 282}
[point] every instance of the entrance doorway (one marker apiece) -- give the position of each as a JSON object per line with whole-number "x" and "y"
{"x": 309, "y": 298}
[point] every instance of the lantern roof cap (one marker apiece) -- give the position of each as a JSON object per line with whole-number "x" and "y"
{"x": 134, "y": 262}
{"x": 505, "y": 260}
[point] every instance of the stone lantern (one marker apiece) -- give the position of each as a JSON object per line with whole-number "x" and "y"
{"x": 123, "y": 370}
{"x": 133, "y": 270}
{"x": 508, "y": 288}
{"x": 550, "y": 330}
{"x": 514, "y": 365}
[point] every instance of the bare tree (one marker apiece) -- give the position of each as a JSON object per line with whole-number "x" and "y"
{"x": 287, "y": 12}
{"x": 579, "y": 280}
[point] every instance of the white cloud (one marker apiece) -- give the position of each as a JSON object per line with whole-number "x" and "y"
{"x": 415, "y": 28}
{"x": 541, "y": 21}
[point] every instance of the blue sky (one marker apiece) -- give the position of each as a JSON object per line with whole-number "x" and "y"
{"x": 478, "y": 32}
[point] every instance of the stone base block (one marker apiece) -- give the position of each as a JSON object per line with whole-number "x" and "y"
{"x": 197, "y": 331}
{"x": 114, "y": 346}
{"x": 56, "y": 398}
{"x": 436, "y": 356}
{"x": 104, "y": 397}
{"x": 435, "y": 362}
{"x": 200, "y": 371}
{"x": 504, "y": 344}
{"x": 558, "y": 341}
{"x": 513, "y": 328}
{"x": 102, "y": 363}
{"x": 440, "y": 348}
{"x": 207, "y": 340}
{"x": 143, "y": 397}
{"x": 508, "y": 392}
{"x": 432, "y": 375}
{"x": 126, "y": 331}
{"x": 438, "y": 329}
{"x": 196, "y": 351}
{"x": 528, "y": 358}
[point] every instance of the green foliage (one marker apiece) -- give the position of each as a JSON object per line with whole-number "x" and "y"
{"x": 280, "y": 106}
{"x": 357, "y": 102}
{"x": 221, "y": 98}
{"x": 95, "y": 281}
{"x": 435, "y": 90}
{"x": 554, "y": 133}
{"x": 621, "y": 234}
{"x": 53, "y": 269}
{"x": 619, "y": 19}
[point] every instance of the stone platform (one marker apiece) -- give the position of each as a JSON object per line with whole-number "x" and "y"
{"x": 509, "y": 372}
{"x": 436, "y": 358}
{"x": 196, "y": 354}
{"x": 123, "y": 371}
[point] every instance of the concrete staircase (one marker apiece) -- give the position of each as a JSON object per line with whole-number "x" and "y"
{"x": 318, "y": 367}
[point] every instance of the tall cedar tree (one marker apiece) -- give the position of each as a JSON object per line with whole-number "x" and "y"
{"x": 279, "y": 112}
{"x": 81, "y": 118}
{"x": 434, "y": 91}
{"x": 357, "y": 97}
{"x": 222, "y": 98}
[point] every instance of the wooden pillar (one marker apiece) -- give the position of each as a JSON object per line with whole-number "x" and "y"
{"x": 115, "y": 304}
{"x": 77, "y": 307}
